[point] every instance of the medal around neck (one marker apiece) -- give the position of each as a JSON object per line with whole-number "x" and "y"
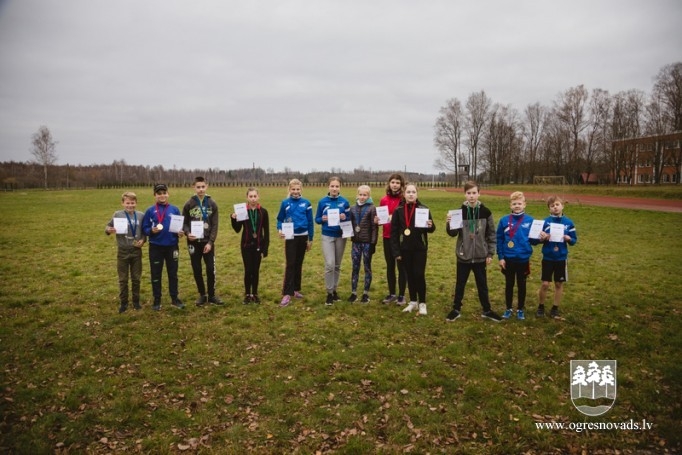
{"x": 159, "y": 227}
{"x": 407, "y": 232}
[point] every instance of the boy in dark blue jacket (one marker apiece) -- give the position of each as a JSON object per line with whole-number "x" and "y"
{"x": 558, "y": 232}
{"x": 514, "y": 249}
{"x": 163, "y": 245}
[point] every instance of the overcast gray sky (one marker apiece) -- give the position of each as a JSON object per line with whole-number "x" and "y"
{"x": 308, "y": 85}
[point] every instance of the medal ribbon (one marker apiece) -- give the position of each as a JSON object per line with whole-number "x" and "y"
{"x": 132, "y": 226}
{"x": 512, "y": 228}
{"x": 472, "y": 216}
{"x": 408, "y": 220}
{"x": 254, "y": 220}
{"x": 161, "y": 215}
{"x": 204, "y": 210}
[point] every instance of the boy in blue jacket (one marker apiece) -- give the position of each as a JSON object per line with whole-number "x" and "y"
{"x": 514, "y": 249}
{"x": 163, "y": 245}
{"x": 555, "y": 253}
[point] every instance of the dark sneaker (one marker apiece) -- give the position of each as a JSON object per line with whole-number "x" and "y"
{"x": 401, "y": 300}
{"x": 330, "y": 300}
{"x": 122, "y": 308}
{"x": 353, "y": 298}
{"x": 137, "y": 306}
{"x": 490, "y": 314}
{"x": 177, "y": 303}
{"x": 541, "y": 311}
{"x": 201, "y": 300}
{"x": 336, "y": 297}
{"x": 453, "y": 315}
{"x": 156, "y": 306}
{"x": 554, "y": 312}
{"x": 365, "y": 298}
{"x": 390, "y": 298}
{"x": 247, "y": 299}
{"x": 255, "y": 299}
{"x": 215, "y": 300}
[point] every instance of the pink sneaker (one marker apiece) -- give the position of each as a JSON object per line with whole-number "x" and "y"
{"x": 298, "y": 295}
{"x": 285, "y": 301}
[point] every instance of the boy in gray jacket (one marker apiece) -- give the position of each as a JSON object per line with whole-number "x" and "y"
{"x": 127, "y": 225}
{"x": 475, "y": 248}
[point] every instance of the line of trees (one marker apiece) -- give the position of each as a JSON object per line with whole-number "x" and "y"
{"x": 571, "y": 138}
{"x": 119, "y": 174}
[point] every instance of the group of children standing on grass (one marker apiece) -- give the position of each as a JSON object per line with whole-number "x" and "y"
{"x": 406, "y": 223}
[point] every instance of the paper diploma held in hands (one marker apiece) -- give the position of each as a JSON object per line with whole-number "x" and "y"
{"x": 421, "y": 217}
{"x": 121, "y": 225}
{"x": 455, "y": 219}
{"x": 241, "y": 211}
{"x": 382, "y": 214}
{"x": 556, "y": 232}
{"x": 346, "y": 229}
{"x": 288, "y": 230}
{"x": 333, "y": 217}
{"x": 536, "y": 229}
{"x": 197, "y": 229}
{"x": 176, "y": 222}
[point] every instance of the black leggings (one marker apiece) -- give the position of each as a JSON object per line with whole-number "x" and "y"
{"x": 251, "y": 258}
{"x": 391, "y": 265}
{"x": 515, "y": 272}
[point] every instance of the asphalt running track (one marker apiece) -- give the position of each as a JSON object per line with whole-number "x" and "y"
{"x": 658, "y": 205}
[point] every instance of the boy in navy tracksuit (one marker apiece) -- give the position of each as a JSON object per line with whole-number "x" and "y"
{"x": 555, "y": 253}
{"x": 163, "y": 245}
{"x": 514, "y": 249}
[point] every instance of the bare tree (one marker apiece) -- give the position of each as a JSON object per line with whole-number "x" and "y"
{"x": 447, "y": 137}
{"x": 597, "y": 129}
{"x": 536, "y": 117}
{"x": 478, "y": 107}
{"x": 570, "y": 110}
{"x": 500, "y": 145}
{"x": 668, "y": 90}
{"x": 44, "y": 149}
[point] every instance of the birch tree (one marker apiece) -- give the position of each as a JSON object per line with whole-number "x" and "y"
{"x": 43, "y": 148}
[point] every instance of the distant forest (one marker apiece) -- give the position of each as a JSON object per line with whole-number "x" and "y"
{"x": 119, "y": 174}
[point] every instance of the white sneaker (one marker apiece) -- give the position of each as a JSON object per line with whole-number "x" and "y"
{"x": 422, "y": 308}
{"x": 410, "y": 306}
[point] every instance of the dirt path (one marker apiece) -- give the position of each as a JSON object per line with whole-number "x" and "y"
{"x": 659, "y": 205}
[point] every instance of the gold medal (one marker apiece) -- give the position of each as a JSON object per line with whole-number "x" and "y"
{"x": 357, "y": 228}
{"x": 510, "y": 244}
{"x": 407, "y": 231}
{"x": 159, "y": 227}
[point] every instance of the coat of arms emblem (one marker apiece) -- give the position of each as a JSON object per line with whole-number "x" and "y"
{"x": 593, "y": 386}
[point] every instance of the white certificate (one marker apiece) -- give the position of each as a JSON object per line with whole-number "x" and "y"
{"x": 288, "y": 230}
{"x": 333, "y": 217}
{"x": 346, "y": 229}
{"x": 121, "y": 225}
{"x": 556, "y": 232}
{"x": 197, "y": 229}
{"x": 536, "y": 229}
{"x": 455, "y": 219}
{"x": 421, "y": 216}
{"x": 176, "y": 223}
{"x": 241, "y": 211}
{"x": 382, "y": 214}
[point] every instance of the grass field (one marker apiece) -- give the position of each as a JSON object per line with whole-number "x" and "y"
{"x": 78, "y": 377}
